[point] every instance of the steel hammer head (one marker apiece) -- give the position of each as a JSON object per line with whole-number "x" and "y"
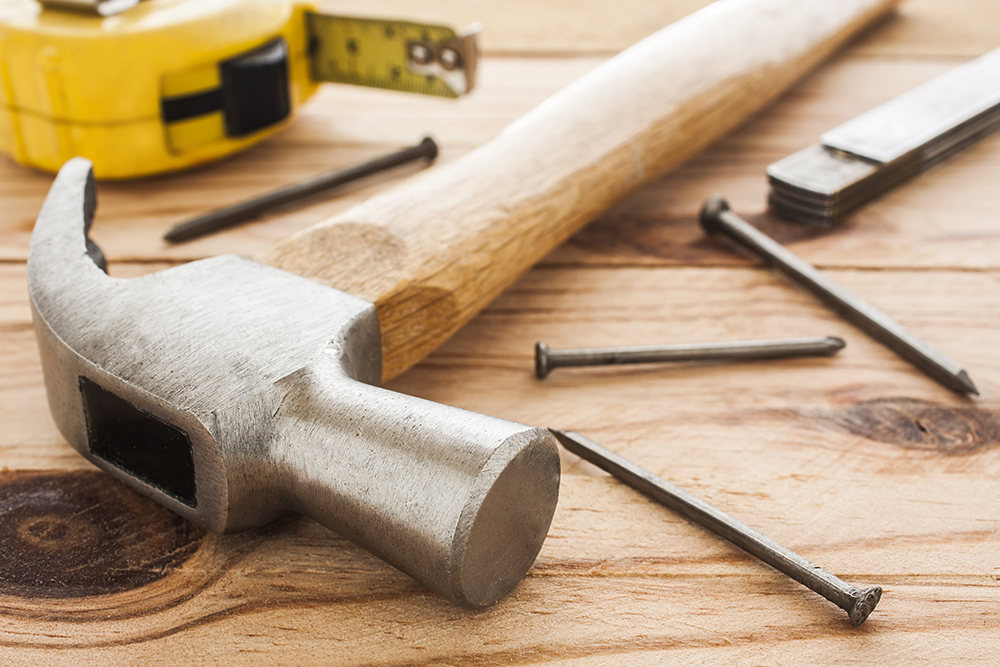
{"x": 234, "y": 393}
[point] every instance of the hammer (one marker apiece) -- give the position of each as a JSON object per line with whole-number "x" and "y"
{"x": 235, "y": 391}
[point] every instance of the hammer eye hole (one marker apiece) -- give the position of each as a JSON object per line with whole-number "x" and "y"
{"x": 138, "y": 443}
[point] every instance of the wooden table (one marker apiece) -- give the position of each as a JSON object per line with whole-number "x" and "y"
{"x": 859, "y": 462}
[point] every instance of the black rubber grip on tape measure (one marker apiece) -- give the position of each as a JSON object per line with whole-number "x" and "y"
{"x": 253, "y": 93}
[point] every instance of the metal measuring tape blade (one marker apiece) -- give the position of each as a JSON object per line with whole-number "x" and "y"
{"x": 861, "y": 159}
{"x": 144, "y": 87}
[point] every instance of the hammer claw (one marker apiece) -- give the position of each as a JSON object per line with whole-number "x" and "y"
{"x": 62, "y": 226}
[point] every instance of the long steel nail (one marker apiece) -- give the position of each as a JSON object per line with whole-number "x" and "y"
{"x": 856, "y": 602}
{"x": 716, "y": 217}
{"x": 231, "y": 215}
{"x": 546, "y": 358}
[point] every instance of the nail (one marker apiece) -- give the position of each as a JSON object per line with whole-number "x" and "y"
{"x": 546, "y": 358}
{"x": 231, "y": 215}
{"x": 716, "y": 217}
{"x": 856, "y": 602}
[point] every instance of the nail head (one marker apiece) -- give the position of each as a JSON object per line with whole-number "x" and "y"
{"x": 542, "y": 368}
{"x": 713, "y": 207}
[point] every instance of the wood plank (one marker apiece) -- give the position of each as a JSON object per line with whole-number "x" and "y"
{"x": 560, "y": 27}
{"x": 964, "y": 28}
{"x": 859, "y": 462}
{"x": 592, "y": 307}
{"x": 637, "y": 577}
{"x": 487, "y": 366}
{"x": 942, "y": 218}
{"x": 921, "y": 28}
{"x": 340, "y": 126}
{"x": 949, "y": 209}
{"x": 431, "y": 254}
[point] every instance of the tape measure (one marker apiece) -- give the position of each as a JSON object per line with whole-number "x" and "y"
{"x": 143, "y": 87}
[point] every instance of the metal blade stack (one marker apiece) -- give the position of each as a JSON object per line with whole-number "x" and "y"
{"x": 861, "y": 159}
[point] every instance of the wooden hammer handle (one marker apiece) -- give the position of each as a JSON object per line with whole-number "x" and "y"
{"x": 432, "y": 253}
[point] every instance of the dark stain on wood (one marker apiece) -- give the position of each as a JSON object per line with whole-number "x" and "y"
{"x": 81, "y": 533}
{"x": 917, "y": 424}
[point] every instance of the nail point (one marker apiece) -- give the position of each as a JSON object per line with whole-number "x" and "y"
{"x": 875, "y": 323}
{"x": 836, "y": 343}
{"x": 966, "y": 384}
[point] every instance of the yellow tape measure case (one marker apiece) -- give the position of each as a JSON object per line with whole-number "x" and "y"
{"x": 168, "y": 84}
{"x": 131, "y": 91}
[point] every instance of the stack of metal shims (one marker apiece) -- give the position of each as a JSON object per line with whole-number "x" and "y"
{"x": 861, "y": 159}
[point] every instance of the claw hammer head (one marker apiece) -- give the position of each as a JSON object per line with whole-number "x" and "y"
{"x": 234, "y": 393}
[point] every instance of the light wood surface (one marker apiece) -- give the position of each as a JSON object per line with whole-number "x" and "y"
{"x": 433, "y": 253}
{"x": 858, "y": 462}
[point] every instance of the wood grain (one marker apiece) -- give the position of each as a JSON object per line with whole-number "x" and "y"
{"x": 858, "y": 462}
{"x": 571, "y": 27}
{"x": 487, "y": 366}
{"x": 598, "y": 578}
{"x": 74, "y": 535}
{"x": 433, "y": 253}
{"x": 949, "y": 209}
